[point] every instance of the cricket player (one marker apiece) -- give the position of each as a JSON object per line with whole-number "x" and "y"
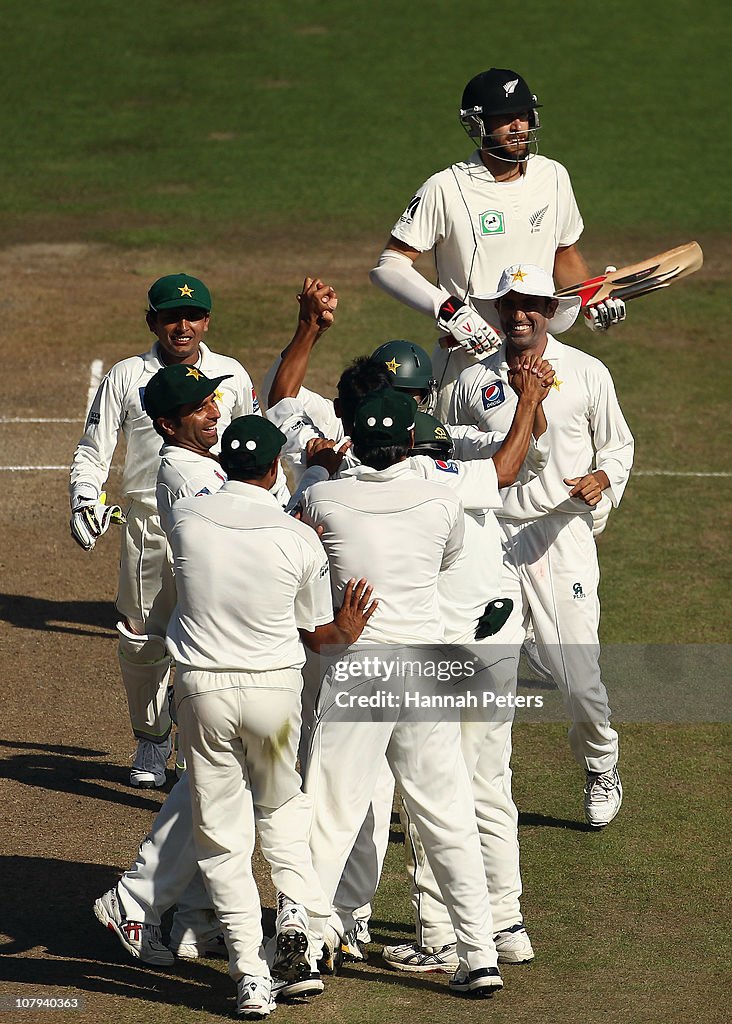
{"x": 406, "y": 529}
{"x": 550, "y": 560}
{"x": 178, "y": 316}
{"x": 503, "y": 204}
{"x": 238, "y": 693}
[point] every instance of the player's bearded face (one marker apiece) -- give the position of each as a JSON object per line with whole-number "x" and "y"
{"x": 525, "y": 319}
{"x": 509, "y": 138}
{"x": 179, "y": 332}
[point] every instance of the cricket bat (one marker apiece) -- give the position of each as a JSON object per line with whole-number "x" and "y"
{"x": 640, "y": 278}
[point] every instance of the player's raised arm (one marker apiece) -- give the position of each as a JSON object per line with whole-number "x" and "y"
{"x": 318, "y": 302}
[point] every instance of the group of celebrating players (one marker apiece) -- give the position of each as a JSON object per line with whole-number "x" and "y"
{"x": 437, "y": 503}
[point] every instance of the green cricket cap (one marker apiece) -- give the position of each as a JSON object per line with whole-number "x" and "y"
{"x": 431, "y": 435}
{"x": 250, "y": 442}
{"x": 384, "y": 418}
{"x": 177, "y": 385}
{"x": 179, "y": 290}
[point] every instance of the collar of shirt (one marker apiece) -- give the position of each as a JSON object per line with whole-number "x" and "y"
{"x": 251, "y": 492}
{"x": 153, "y": 356}
{"x": 175, "y": 451}
{"x": 367, "y": 473}
{"x": 475, "y": 168}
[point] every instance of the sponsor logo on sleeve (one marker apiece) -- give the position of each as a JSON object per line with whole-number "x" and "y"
{"x": 578, "y": 593}
{"x": 142, "y": 398}
{"x": 255, "y": 401}
{"x": 93, "y": 420}
{"x": 324, "y": 570}
{"x": 493, "y": 394}
{"x": 408, "y": 216}
{"x": 447, "y": 467}
{"x": 204, "y": 490}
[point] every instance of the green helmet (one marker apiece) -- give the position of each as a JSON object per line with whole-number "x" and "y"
{"x": 412, "y": 370}
{"x": 431, "y": 437}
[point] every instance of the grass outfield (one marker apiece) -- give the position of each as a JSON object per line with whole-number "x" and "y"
{"x": 254, "y": 143}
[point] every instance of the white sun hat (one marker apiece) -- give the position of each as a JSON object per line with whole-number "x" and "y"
{"x": 528, "y": 279}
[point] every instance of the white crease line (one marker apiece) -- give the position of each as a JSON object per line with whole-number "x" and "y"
{"x": 32, "y": 469}
{"x": 39, "y": 419}
{"x": 96, "y": 371}
{"x": 671, "y": 472}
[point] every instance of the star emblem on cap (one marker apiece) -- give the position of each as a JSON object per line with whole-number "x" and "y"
{"x": 218, "y": 395}
{"x": 185, "y": 290}
{"x": 392, "y": 365}
{"x": 518, "y": 275}
{"x": 193, "y": 372}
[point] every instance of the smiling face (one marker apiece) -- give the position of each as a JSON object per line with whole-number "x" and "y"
{"x": 179, "y": 332}
{"x": 195, "y": 426}
{"x": 525, "y": 320}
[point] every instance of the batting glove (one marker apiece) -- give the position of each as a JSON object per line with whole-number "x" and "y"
{"x": 90, "y": 518}
{"x": 467, "y": 327}
{"x": 603, "y": 315}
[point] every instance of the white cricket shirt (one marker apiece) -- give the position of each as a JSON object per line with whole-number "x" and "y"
{"x": 248, "y": 576}
{"x": 396, "y": 530}
{"x": 117, "y": 406}
{"x": 586, "y": 429}
{"x": 184, "y": 474}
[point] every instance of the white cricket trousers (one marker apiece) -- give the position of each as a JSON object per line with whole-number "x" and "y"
{"x": 485, "y": 739}
{"x": 362, "y": 871}
{"x": 166, "y": 873}
{"x": 423, "y": 751}
{"x": 239, "y": 733}
{"x": 551, "y": 573}
{"x": 145, "y": 598}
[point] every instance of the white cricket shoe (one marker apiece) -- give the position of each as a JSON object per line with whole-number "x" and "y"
{"x": 142, "y": 941}
{"x": 212, "y": 947}
{"x": 254, "y": 997}
{"x": 291, "y": 961}
{"x": 352, "y": 948}
{"x": 408, "y": 956}
{"x": 312, "y": 985}
{"x": 332, "y": 956}
{"x": 603, "y": 797}
{"x": 148, "y": 768}
{"x": 481, "y": 983}
{"x": 514, "y": 945}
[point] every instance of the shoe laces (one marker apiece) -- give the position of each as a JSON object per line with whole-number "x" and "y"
{"x": 606, "y": 781}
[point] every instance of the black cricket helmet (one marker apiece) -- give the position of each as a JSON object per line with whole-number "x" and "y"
{"x": 411, "y": 369}
{"x": 495, "y": 92}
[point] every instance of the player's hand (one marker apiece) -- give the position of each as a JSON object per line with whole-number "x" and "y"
{"x": 531, "y": 376}
{"x": 467, "y": 327}
{"x": 356, "y": 610}
{"x": 90, "y": 518}
{"x": 318, "y": 303}
{"x": 603, "y": 315}
{"x": 588, "y": 488}
{"x": 320, "y": 451}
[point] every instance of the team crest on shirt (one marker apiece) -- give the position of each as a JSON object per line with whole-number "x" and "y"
{"x": 447, "y": 467}
{"x": 536, "y": 218}
{"x": 491, "y": 222}
{"x": 204, "y": 490}
{"x": 493, "y": 394}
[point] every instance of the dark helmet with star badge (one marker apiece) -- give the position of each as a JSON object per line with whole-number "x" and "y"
{"x": 411, "y": 370}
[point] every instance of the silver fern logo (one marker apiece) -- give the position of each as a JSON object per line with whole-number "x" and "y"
{"x": 509, "y": 87}
{"x": 536, "y": 218}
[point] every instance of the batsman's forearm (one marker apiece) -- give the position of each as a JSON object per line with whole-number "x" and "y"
{"x": 511, "y": 454}
{"x": 295, "y": 359}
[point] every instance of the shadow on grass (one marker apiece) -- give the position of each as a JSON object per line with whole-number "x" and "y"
{"x": 58, "y": 616}
{"x": 531, "y": 820}
{"x": 74, "y": 774}
{"x": 46, "y": 906}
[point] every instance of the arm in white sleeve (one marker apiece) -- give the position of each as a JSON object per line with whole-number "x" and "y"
{"x": 93, "y": 454}
{"x": 397, "y": 276}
